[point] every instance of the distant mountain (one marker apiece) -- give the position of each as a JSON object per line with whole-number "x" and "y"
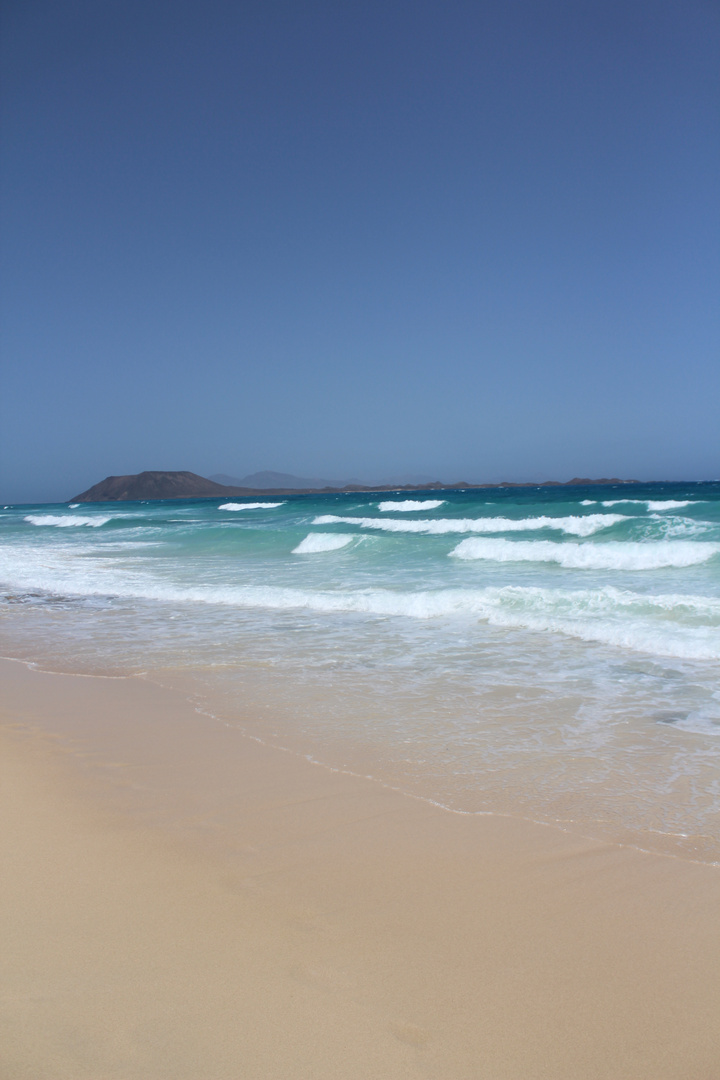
{"x": 156, "y": 485}
{"x": 416, "y": 479}
{"x": 286, "y": 481}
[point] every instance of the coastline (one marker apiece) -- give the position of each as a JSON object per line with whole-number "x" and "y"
{"x": 188, "y": 485}
{"x": 184, "y": 901}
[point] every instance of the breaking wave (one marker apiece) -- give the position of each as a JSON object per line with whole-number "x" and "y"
{"x": 63, "y": 521}
{"x": 249, "y": 506}
{"x": 411, "y": 504}
{"x": 316, "y": 542}
{"x": 611, "y": 555}
{"x": 667, "y": 504}
{"x": 652, "y": 504}
{"x": 574, "y": 525}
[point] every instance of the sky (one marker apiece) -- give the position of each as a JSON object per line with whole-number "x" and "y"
{"x": 468, "y": 240}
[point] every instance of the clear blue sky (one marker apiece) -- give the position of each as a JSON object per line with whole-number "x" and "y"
{"x": 474, "y": 240}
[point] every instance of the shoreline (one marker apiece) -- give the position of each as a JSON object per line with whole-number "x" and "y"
{"x": 284, "y": 740}
{"x": 185, "y": 901}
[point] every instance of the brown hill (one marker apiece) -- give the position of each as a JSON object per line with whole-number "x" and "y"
{"x": 157, "y": 485}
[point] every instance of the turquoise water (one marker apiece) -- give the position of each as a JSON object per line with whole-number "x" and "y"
{"x": 545, "y": 651}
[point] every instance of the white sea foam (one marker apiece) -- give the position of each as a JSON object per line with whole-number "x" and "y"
{"x": 608, "y": 616}
{"x": 250, "y": 506}
{"x": 683, "y": 626}
{"x": 316, "y": 542}
{"x": 574, "y": 525}
{"x": 73, "y": 506}
{"x": 611, "y": 555}
{"x": 120, "y": 545}
{"x": 668, "y": 504}
{"x": 672, "y": 525}
{"x": 411, "y": 504}
{"x": 653, "y": 504}
{"x": 63, "y": 521}
{"x": 664, "y": 625}
{"x": 592, "y": 502}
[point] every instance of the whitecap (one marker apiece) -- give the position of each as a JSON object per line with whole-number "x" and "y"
{"x": 574, "y": 525}
{"x": 63, "y": 521}
{"x": 654, "y": 504}
{"x": 250, "y": 506}
{"x": 73, "y": 506}
{"x": 411, "y": 504}
{"x": 612, "y": 555}
{"x": 668, "y": 504}
{"x": 316, "y": 542}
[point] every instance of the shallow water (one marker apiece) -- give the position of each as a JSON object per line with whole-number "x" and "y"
{"x": 546, "y": 651}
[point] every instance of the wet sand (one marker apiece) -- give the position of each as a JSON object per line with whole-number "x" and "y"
{"x": 179, "y": 901}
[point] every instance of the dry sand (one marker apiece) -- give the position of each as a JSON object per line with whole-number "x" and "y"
{"x": 182, "y": 902}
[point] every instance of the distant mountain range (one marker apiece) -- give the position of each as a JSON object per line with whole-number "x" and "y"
{"x": 260, "y": 480}
{"x": 188, "y": 485}
{"x": 304, "y": 483}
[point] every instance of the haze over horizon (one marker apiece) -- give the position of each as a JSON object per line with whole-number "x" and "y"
{"x": 467, "y": 241}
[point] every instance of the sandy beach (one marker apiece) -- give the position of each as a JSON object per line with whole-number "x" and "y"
{"x": 180, "y": 901}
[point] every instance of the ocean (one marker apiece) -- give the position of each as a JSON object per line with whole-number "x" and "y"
{"x": 550, "y": 653}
